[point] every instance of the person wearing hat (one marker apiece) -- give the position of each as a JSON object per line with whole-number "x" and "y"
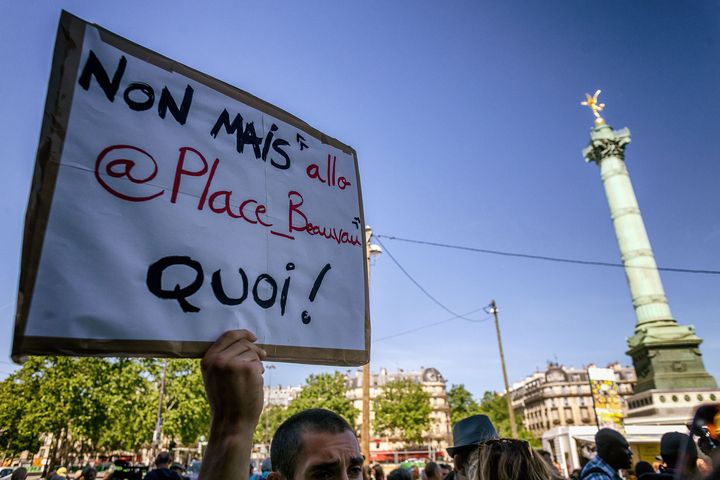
{"x": 468, "y": 433}
{"x": 60, "y": 474}
{"x": 613, "y": 455}
{"x": 679, "y": 455}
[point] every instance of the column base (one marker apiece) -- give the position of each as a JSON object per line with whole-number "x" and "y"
{"x": 667, "y": 407}
{"x": 668, "y": 358}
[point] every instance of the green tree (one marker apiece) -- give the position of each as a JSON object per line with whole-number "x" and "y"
{"x": 186, "y": 413}
{"x": 16, "y": 391}
{"x": 403, "y": 410}
{"x": 494, "y": 406}
{"x": 61, "y": 396}
{"x": 462, "y": 403}
{"x": 130, "y": 400}
{"x": 94, "y": 403}
{"x": 272, "y": 416}
{"x": 326, "y": 390}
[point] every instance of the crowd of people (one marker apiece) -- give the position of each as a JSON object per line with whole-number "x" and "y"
{"x": 318, "y": 444}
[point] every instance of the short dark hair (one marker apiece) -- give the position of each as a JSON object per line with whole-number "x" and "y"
{"x": 431, "y": 469}
{"x": 163, "y": 458}
{"x": 379, "y": 472}
{"x": 399, "y": 474}
{"x": 19, "y": 474}
{"x": 287, "y": 442}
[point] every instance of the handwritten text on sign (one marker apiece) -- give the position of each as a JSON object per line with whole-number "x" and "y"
{"x": 180, "y": 212}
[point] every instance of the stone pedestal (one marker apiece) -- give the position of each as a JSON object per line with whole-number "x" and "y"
{"x": 667, "y": 406}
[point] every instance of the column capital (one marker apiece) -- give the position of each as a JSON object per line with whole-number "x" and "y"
{"x": 606, "y": 142}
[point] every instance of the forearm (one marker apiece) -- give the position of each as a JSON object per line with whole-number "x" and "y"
{"x": 228, "y": 451}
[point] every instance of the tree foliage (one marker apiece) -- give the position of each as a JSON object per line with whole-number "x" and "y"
{"x": 271, "y": 418}
{"x": 98, "y": 404}
{"x": 325, "y": 390}
{"x": 494, "y": 406}
{"x": 462, "y": 404}
{"x": 403, "y": 411}
{"x": 187, "y": 413}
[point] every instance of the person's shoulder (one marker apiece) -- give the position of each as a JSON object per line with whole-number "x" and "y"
{"x": 596, "y": 469}
{"x": 596, "y": 474}
{"x": 153, "y": 475}
{"x": 162, "y": 474}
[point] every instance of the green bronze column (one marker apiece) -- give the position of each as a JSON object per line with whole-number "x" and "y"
{"x": 666, "y": 355}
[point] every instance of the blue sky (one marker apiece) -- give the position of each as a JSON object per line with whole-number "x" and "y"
{"x": 466, "y": 119}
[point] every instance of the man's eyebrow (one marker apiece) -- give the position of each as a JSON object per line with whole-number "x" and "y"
{"x": 325, "y": 466}
{"x": 357, "y": 460}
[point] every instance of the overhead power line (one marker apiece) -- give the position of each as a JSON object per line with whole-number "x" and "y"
{"x": 433, "y": 324}
{"x": 455, "y": 316}
{"x": 417, "y": 284}
{"x": 539, "y": 257}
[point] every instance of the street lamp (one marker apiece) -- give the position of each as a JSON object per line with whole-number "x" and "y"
{"x": 269, "y": 369}
{"x": 371, "y": 251}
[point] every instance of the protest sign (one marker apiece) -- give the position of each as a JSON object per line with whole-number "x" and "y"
{"x": 168, "y": 207}
{"x": 607, "y": 402}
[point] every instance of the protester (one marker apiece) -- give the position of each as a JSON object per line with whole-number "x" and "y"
{"x": 547, "y": 457}
{"x": 59, "y": 474}
{"x": 507, "y": 459}
{"x": 377, "y": 472}
{"x": 468, "y": 433}
{"x": 679, "y": 455}
{"x": 88, "y": 473}
{"x": 445, "y": 469}
{"x": 432, "y": 471}
{"x": 179, "y": 469}
{"x": 642, "y": 467}
{"x": 162, "y": 470}
{"x": 266, "y": 468}
{"x": 19, "y": 473}
{"x": 399, "y": 474}
{"x": 613, "y": 454}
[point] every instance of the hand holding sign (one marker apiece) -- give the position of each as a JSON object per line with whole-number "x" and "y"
{"x": 232, "y": 371}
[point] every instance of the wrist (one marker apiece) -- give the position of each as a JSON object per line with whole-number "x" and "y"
{"x": 231, "y": 427}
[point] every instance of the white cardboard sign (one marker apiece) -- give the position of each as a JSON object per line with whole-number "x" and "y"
{"x": 168, "y": 207}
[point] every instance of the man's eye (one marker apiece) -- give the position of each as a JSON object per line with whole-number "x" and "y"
{"x": 355, "y": 471}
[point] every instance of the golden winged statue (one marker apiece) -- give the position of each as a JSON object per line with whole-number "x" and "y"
{"x": 592, "y": 103}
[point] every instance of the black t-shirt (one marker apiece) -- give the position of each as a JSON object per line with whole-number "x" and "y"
{"x": 162, "y": 474}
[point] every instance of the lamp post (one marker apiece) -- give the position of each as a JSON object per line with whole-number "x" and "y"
{"x": 371, "y": 251}
{"x": 269, "y": 369}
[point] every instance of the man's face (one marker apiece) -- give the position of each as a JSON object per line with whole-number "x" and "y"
{"x": 620, "y": 456}
{"x": 444, "y": 472}
{"x": 329, "y": 456}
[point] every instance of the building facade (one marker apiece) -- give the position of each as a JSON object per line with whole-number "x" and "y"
{"x": 436, "y": 440}
{"x": 280, "y": 395}
{"x": 560, "y": 397}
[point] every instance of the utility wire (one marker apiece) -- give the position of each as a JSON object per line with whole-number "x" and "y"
{"x": 427, "y": 294}
{"x": 428, "y": 325}
{"x": 540, "y": 257}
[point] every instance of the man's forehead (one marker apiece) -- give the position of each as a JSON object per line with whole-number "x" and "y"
{"x": 324, "y": 446}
